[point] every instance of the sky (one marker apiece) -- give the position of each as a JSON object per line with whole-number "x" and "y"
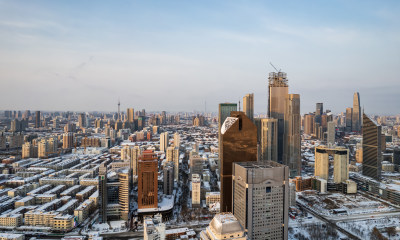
{"x": 188, "y": 55}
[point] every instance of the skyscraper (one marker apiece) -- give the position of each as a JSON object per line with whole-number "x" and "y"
{"x": 82, "y": 120}
{"x": 238, "y": 143}
{"x": 340, "y": 165}
{"x": 268, "y": 133}
{"x": 164, "y": 141}
{"x": 130, "y": 113}
{"x": 331, "y": 134}
{"x": 196, "y": 190}
{"x": 37, "y": 119}
{"x": 123, "y": 192}
{"x": 148, "y": 180}
{"x": 309, "y": 124}
{"x": 103, "y": 198}
{"x": 356, "y": 119}
{"x": 173, "y": 157}
{"x": 319, "y": 110}
{"x": 248, "y": 105}
{"x": 278, "y": 90}
{"x": 349, "y": 119}
{"x": 261, "y": 199}
{"x": 292, "y": 140}
{"x": 168, "y": 180}
{"x": 372, "y": 153}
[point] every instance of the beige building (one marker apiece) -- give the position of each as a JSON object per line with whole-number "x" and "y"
{"x": 63, "y": 222}
{"x": 224, "y": 226}
{"x": 248, "y": 105}
{"x": 83, "y": 211}
{"x": 11, "y": 220}
{"x": 177, "y": 140}
{"x": 340, "y": 162}
{"x": 123, "y": 192}
{"x": 268, "y": 138}
{"x": 212, "y": 197}
{"x": 173, "y": 156}
{"x": 196, "y": 190}
{"x": 11, "y": 236}
{"x": 164, "y": 141}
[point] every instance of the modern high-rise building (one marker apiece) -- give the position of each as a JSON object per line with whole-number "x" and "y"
{"x": 224, "y": 226}
{"x": 37, "y": 119}
{"x": 356, "y": 118}
{"x": 131, "y": 154}
{"x": 224, "y": 111}
{"x": 261, "y": 199}
{"x": 103, "y": 197}
{"x": 196, "y": 190}
{"x": 292, "y": 138}
{"x": 238, "y": 143}
{"x": 68, "y": 140}
{"x": 321, "y": 167}
{"x": 372, "y": 153}
{"x": 330, "y": 141}
{"x": 319, "y": 109}
{"x": 124, "y": 192}
{"x": 168, "y": 180}
{"x": 164, "y": 141}
{"x": 309, "y": 124}
{"x": 278, "y": 89}
{"x": 340, "y": 165}
{"x": 268, "y": 138}
{"x": 173, "y": 156}
{"x": 148, "y": 180}
{"x": 248, "y": 105}
{"x": 130, "y": 115}
{"x": 349, "y": 119}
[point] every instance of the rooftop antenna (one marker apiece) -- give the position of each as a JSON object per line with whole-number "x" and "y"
{"x": 275, "y": 67}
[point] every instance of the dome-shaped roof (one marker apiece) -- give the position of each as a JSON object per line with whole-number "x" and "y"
{"x": 225, "y": 223}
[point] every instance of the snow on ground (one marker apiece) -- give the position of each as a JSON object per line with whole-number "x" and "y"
{"x": 101, "y": 227}
{"x": 117, "y": 224}
{"x": 363, "y": 228}
{"x": 353, "y": 204}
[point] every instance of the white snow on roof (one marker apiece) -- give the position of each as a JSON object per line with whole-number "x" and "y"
{"x": 229, "y": 121}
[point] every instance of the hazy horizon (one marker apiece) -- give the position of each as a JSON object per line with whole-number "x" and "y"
{"x": 174, "y": 56}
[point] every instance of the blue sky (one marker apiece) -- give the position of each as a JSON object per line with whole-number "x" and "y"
{"x": 175, "y": 55}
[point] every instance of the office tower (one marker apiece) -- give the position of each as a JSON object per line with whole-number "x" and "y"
{"x": 103, "y": 198}
{"x": 42, "y": 149}
{"x": 261, "y": 199}
{"x": 15, "y": 125}
{"x": 248, "y": 105}
{"x": 135, "y": 153}
{"x": 148, "y": 180}
{"x": 321, "y": 168}
{"x": 278, "y": 90}
{"x": 173, "y": 156}
{"x": 196, "y": 190}
{"x": 356, "y": 118}
{"x": 37, "y": 119}
{"x": 372, "y": 153}
{"x": 268, "y": 134}
{"x": 224, "y": 226}
{"x": 340, "y": 165}
{"x": 292, "y": 138}
{"x": 168, "y": 180}
{"x": 123, "y": 192}
{"x": 238, "y": 143}
{"x": 177, "y": 140}
{"x": 349, "y": 119}
{"x": 82, "y": 120}
{"x": 130, "y": 113}
{"x": 68, "y": 140}
{"x": 164, "y": 141}
{"x": 331, "y": 134}
{"x": 309, "y": 124}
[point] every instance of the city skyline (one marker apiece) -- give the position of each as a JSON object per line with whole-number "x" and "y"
{"x": 68, "y": 56}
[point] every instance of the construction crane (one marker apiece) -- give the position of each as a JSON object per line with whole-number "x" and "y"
{"x": 275, "y": 67}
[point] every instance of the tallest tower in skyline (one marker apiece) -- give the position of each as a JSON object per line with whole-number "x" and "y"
{"x": 356, "y": 118}
{"x": 278, "y": 90}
